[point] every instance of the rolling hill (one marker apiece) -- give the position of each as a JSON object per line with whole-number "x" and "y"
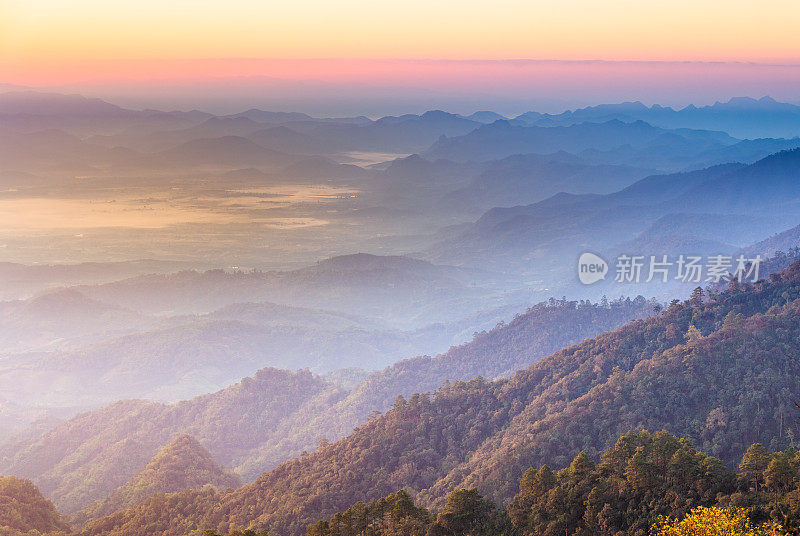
{"x": 180, "y": 465}
{"x": 25, "y": 510}
{"x": 87, "y": 457}
{"x": 63, "y": 319}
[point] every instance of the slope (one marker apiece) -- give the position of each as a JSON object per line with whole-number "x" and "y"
{"x": 23, "y": 509}
{"x": 182, "y": 464}
{"x": 85, "y": 458}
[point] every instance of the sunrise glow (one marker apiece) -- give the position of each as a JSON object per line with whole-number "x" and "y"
{"x": 59, "y": 41}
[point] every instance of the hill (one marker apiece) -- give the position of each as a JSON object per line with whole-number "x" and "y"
{"x": 284, "y": 139}
{"x": 182, "y": 464}
{"x": 643, "y": 479}
{"x": 54, "y": 151}
{"x": 23, "y": 509}
{"x": 722, "y": 370}
{"x": 530, "y": 178}
{"x": 497, "y": 353}
{"x": 87, "y": 457}
{"x": 770, "y": 183}
{"x": 780, "y": 242}
{"x": 178, "y": 362}
{"x": 63, "y": 318}
{"x": 21, "y": 281}
{"x": 399, "y": 291}
{"x": 94, "y": 338}
{"x": 394, "y": 134}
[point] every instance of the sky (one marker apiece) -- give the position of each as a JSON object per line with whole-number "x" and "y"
{"x": 510, "y": 49}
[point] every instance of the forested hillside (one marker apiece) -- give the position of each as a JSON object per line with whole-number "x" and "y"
{"x": 500, "y": 352}
{"x": 638, "y": 483}
{"x": 278, "y": 415}
{"x": 642, "y": 477}
{"x": 720, "y": 369}
{"x": 24, "y": 511}
{"x": 182, "y": 464}
{"x": 87, "y": 457}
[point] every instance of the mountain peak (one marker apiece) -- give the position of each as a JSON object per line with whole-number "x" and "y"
{"x": 749, "y": 103}
{"x": 180, "y": 465}
{"x": 183, "y": 464}
{"x": 440, "y": 115}
{"x": 485, "y": 116}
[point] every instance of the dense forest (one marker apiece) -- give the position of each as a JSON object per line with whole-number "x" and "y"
{"x": 721, "y": 369}
{"x": 643, "y": 478}
{"x": 642, "y": 484}
{"x": 644, "y": 481}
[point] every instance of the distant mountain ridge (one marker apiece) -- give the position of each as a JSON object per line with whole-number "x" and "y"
{"x": 505, "y": 138}
{"x": 542, "y": 237}
{"x": 742, "y": 117}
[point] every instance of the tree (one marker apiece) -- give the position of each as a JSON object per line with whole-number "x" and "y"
{"x": 780, "y": 473}
{"x": 693, "y": 334}
{"x": 754, "y": 462}
{"x": 533, "y": 487}
{"x": 466, "y": 513}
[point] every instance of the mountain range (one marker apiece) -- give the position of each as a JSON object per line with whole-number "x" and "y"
{"x": 277, "y": 414}
{"x": 543, "y": 239}
{"x": 740, "y": 116}
{"x": 697, "y": 369}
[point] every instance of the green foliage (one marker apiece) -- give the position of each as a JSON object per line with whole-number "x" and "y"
{"x": 754, "y": 462}
{"x": 645, "y": 480}
{"x": 641, "y": 477}
{"x": 465, "y": 514}
{"x": 394, "y": 515}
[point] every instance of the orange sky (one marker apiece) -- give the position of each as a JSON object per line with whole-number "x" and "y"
{"x": 63, "y": 41}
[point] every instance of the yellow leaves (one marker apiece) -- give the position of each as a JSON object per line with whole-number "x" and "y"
{"x": 714, "y": 522}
